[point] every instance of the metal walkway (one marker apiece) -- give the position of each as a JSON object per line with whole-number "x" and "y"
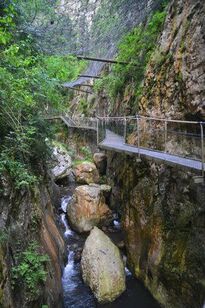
{"x": 116, "y": 143}
{"x": 186, "y": 138}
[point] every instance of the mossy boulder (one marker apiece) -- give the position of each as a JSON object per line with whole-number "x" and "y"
{"x": 102, "y": 267}
{"x": 88, "y": 208}
{"x": 86, "y": 173}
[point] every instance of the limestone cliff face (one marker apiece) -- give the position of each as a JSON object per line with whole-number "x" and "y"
{"x": 174, "y": 82}
{"x": 26, "y": 217}
{"x": 81, "y": 14}
{"x": 163, "y": 215}
{"x": 163, "y": 210}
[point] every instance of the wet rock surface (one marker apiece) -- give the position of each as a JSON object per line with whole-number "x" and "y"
{"x": 87, "y": 208}
{"x": 86, "y": 173}
{"x": 63, "y": 164}
{"x": 102, "y": 267}
{"x": 174, "y": 82}
{"x": 100, "y": 160}
{"x": 163, "y": 221}
{"x": 27, "y": 217}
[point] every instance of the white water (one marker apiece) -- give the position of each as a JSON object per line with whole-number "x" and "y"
{"x": 64, "y": 203}
{"x": 68, "y": 231}
{"x": 68, "y": 274}
{"x": 117, "y": 224}
{"x": 77, "y": 294}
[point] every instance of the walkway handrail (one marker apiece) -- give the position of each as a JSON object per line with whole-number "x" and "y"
{"x": 151, "y": 118}
{"x": 122, "y": 129}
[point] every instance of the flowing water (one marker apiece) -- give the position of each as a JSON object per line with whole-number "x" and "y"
{"x": 76, "y": 293}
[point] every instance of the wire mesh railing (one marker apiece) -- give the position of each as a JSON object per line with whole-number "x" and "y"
{"x": 85, "y": 122}
{"x": 180, "y": 138}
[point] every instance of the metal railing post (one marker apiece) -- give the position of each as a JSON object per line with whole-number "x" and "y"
{"x": 165, "y": 137}
{"x": 202, "y": 147}
{"x": 97, "y": 131}
{"x": 138, "y": 135}
{"x": 125, "y": 129}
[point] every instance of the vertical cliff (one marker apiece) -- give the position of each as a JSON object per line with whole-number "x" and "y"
{"x": 163, "y": 215}
{"x": 163, "y": 210}
{"x": 174, "y": 81}
{"x": 31, "y": 250}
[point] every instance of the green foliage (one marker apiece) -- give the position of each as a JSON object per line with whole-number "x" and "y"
{"x": 63, "y": 68}
{"x": 7, "y": 24}
{"x": 80, "y": 161}
{"x": 135, "y": 48}
{"x": 83, "y": 107}
{"x": 31, "y": 269}
{"x": 31, "y": 88}
{"x": 18, "y": 172}
{"x": 86, "y": 153}
{"x": 3, "y": 236}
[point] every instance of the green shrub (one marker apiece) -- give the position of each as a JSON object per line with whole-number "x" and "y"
{"x": 30, "y": 84}
{"x": 136, "y": 48}
{"x": 86, "y": 153}
{"x": 31, "y": 270}
{"x": 3, "y": 236}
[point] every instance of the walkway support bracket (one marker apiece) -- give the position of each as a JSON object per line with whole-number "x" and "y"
{"x": 97, "y": 131}
{"x": 165, "y": 136}
{"x": 138, "y": 136}
{"x": 125, "y": 129}
{"x": 202, "y": 147}
{"x": 106, "y": 60}
{"x": 90, "y": 76}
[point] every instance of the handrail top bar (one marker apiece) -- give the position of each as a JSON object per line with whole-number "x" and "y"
{"x": 120, "y": 118}
{"x": 170, "y": 120}
{"x": 151, "y": 118}
{"x": 138, "y": 117}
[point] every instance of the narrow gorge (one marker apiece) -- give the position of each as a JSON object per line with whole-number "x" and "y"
{"x": 102, "y": 154}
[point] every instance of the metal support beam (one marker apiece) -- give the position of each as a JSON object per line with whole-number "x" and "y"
{"x": 165, "y": 136}
{"x": 106, "y": 60}
{"x": 90, "y": 76}
{"x": 202, "y": 147}
{"x": 125, "y": 129}
{"x": 86, "y": 85}
{"x": 97, "y": 131}
{"x": 78, "y": 90}
{"x": 138, "y": 136}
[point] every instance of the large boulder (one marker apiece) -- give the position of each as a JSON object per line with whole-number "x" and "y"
{"x": 102, "y": 267}
{"x": 87, "y": 208}
{"x": 63, "y": 164}
{"x": 100, "y": 160}
{"x": 86, "y": 173}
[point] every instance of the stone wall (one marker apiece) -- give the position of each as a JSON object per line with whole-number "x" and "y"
{"x": 174, "y": 82}
{"x": 163, "y": 214}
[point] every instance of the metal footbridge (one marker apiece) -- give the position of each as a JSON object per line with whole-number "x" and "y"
{"x": 174, "y": 142}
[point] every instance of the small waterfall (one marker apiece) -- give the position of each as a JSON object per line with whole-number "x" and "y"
{"x": 76, "y": 293}
{"x": 69, "y": 271}
{"x": 117, "y": 224}
{"x": 64, "y": 203}
{"x": 68, "y": 231}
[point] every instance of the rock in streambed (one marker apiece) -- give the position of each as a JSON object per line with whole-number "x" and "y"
{"x": 88, "y": 208}
{"x": 102, "y": 267}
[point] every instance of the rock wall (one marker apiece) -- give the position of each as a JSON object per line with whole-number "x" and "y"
{"x": 174, "y": 82}
{"x": 29, "y": 216}
{"x": 163, "y": 214}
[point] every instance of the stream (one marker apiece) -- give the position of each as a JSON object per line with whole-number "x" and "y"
{"x": 79, "y": 295}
